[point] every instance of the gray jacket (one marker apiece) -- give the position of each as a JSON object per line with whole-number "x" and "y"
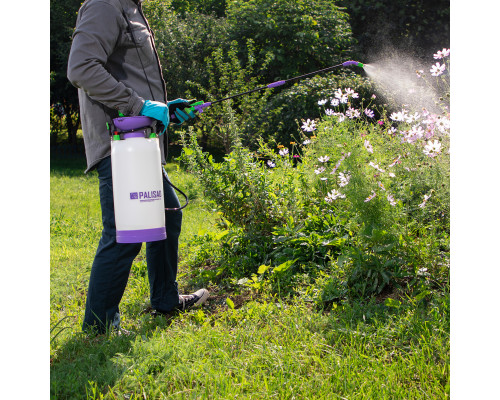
{"x": 105, "y": 66}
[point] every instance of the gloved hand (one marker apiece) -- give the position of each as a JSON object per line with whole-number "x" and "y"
{"x": 181, "y": 110}
{"x": 158, "y": 111}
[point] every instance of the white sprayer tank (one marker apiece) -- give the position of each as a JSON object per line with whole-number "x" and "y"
{"x": 137, "y": 188}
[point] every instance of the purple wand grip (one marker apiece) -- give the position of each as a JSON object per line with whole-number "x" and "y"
{"x": 347, "y": 63}
{"x": 274, "y": 84}
{"x": 200, "y": 107}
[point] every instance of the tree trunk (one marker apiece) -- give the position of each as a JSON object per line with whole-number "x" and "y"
{"x": 72, "y": 125}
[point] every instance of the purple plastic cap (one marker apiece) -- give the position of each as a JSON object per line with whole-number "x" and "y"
{"x": 132, "y": 123}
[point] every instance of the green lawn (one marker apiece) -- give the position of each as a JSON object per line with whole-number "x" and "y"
{"x": 264, "y": 347}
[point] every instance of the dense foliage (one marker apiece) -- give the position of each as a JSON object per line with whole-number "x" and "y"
{"x": 298, "y": 36}
{"x": 65, "y": 113}
{"x": 289, "y": 38}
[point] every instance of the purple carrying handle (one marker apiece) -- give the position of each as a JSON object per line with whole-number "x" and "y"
{"x": 132, "y": 123}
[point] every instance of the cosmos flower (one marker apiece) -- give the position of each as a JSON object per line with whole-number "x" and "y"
{"x": 399, "y": 116}
{"x": 412, "y": 117}
{"x": 271, "y": 164}
{"x": 319, "y": 170}
{"x": 432, "y": 148}
{"x": 426, "y": 197}
{"x": 344, "y": 179}
{"x": 335, "y": 102}
{"x": 391, "y": 200}
{"x": 369, "y": 198}
{"x": 323, "y": 159}
{"x": 305, "y": 142}
{"x": 330, "y": 112}
{"x": 443, "y": 124}
{"x": 368, "y": 146}
{"x": 283, "y": 152}
{"x": 442, "y": 54}
{"x": 352, "y": 113}
{"x": 351, "y": 93}
{"x": 334, "y": 195}
{"x": 372, "y": 164}
{"x": 437, "y": 69}
{"x": 369, "y": 113}
{"x": 416, "y": 131}
{"x": 309, "y": 126}
{"x": 322, "y": 102}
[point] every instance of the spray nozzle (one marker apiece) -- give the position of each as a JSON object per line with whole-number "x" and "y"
{"x": 357, "y": 63}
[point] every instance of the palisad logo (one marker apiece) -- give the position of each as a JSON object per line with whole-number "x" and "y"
{"x": 152, "y": 195}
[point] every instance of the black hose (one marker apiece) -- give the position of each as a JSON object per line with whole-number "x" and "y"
{"x": 176, "y": 188}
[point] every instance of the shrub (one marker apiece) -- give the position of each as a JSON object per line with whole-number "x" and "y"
{"x": 300, "y": 36}
{"x": 359, "y": 197}
{"x": 183, "y": 43}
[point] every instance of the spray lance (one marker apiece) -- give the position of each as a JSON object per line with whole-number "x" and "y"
{"x": 200, "y": 105}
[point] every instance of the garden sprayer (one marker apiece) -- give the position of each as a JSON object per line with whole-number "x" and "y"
{"x": 137, "y": 172}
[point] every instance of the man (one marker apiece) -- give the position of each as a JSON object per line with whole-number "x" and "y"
{"x": 114, "y": 64}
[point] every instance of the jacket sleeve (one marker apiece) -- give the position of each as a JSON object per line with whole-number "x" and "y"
{"x": 97, "y": 32}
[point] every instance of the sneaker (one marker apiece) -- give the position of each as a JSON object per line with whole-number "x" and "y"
{"x": 187, "y": 301}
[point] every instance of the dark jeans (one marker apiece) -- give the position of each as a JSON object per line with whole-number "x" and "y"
{"x": 112, "y": 262}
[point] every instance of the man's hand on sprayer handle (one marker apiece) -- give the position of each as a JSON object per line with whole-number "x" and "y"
{"x": 182, "y": 110}
{"x": 176, "y": 111}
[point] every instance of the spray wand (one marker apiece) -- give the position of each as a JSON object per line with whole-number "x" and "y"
{"x": 199, "y": 106}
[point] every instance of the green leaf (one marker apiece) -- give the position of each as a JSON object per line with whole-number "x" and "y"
{"x": 392, "y": 303}
{"x": 263, "y": 268}
{"x": 284, "y": 266}
{"x": 229, "y": 303}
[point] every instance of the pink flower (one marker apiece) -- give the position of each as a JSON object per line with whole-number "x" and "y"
{"x": 369, "y": 198}
{"x": 426, "y": 197}
{"x": 442, "y": 54}
{"x": 391, "y": 200}
{"x": 334, "y": 195}
{"x": 437, "y": 69}
{"x": 369, "y": 113}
